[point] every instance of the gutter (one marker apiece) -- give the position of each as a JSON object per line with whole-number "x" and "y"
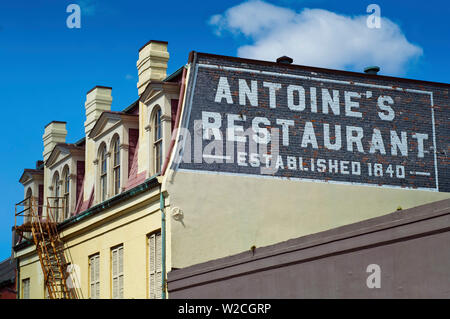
{"x": 17, "y": 279}
{"x": 147, "y": 184}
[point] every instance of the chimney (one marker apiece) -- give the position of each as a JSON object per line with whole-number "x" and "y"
{"x": 372, "y": 70}
{"x": 39, "y": 164}
{"x": 98, "y": 100}
{"x": 152, "y": 63}
{"x": 285, "y": 60}
{"x": 55, "y": 132}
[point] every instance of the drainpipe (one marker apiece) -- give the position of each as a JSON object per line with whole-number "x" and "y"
{"x": 163, "y": 242}
{"x": 17, "y": 279}
{"x": 16, "y": 260}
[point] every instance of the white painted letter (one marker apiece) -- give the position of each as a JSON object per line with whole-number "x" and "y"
{"x": 273, "y": 88}
{"x": 391, "y": 114}
{"x": 223, "y": 91}
{"x": 402, "y": 145}
{"x": 301, "y": 97}
{"x": 349, "y": 104}
{"x": 244, "y": 91}
{"x": 232, "y": 128}
{"x": 309, "y": 137}
{"x": 377, "y": 142}
{"x": 420, "y": 137}
{"x": 326, "y": 137}
{"x": 327, "y": 101}
{"x": 354, "y": 139}
{"x": 260, "y": 134}
{"x": 285, "y": 129}
{"x": 211, "y": 126}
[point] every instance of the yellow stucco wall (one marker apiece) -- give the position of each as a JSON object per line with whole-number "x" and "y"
{"x": 225, "y": 215}
{"x": 31, "y": 268}
{"x": 129, "y": 224}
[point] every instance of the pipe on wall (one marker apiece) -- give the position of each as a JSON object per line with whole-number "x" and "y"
{"x": 163, "y": 242}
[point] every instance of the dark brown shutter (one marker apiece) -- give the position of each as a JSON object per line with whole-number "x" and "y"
{"x": 80, "y": 176}
{"x": 133, "y": 135}
{"x": 40, "y": 198}
{"x": 173, "y": 112}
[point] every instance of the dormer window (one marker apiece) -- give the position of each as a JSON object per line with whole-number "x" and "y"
{"x": 116, "y": 165}
{"x": 103, "y": 173}
{"x": 66, "y": 164}
{"x": 114, "y": 138}
{"x": 157, "y": 140}
{"x": 66, "y": 179}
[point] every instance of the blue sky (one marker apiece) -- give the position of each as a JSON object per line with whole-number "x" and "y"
{"x": 46, "y": 68}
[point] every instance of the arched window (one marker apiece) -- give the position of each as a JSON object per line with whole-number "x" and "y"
{"x": 103, "y": 173}
{"x": 66, "y": 179}
{"x": 56, "y": 194}
{"x": 157, "y": 140}
{"x": 116, "y": 165}
{"x": 29, "y": 193}
{"x": 56, "y": 186}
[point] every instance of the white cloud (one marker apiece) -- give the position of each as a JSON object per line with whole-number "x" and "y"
{"x": 317, "y": 37}
{"x": 129, "y": 77}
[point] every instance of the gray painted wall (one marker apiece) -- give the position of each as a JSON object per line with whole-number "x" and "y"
{"x": 410, "y": 246}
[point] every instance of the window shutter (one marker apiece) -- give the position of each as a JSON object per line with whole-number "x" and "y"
{"x": 173, "y": 112}
{"x": 114, "y": 263}
{"x": 26, "y": 288}
{"x": 120, "y": 272}
{"x": 158, "y": 249}
{"x": 120, "y": 263}
{"x": 97, "y": 268}
{"x": 152, "y": 267}
{"x": 120, "y": 292}
{"x": 117, "y": 273}
{"x": 114, "y": 274}
{"x": 133, "y": 135}
{"x": 115, "y": 286}
{"x": 155, "y": 266}
{"x": 97, "y": 277}
{"x": 158, "y": 252}
{"x": 97, "y": 290}
{"x": 92, "y": 270}
{"x": 94, "y": 263}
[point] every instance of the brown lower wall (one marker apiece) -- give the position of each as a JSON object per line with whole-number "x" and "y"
{"x": 411, "y": 247}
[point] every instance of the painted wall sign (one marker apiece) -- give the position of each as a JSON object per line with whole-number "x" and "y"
{"x": 286, "y": 122}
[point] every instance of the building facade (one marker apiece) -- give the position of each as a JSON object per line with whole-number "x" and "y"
{"x": 390, "y": 256}
{"x": 104, "y": 191}
{"x": 224, "y": 156}
{"x": 8, "y": 279}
